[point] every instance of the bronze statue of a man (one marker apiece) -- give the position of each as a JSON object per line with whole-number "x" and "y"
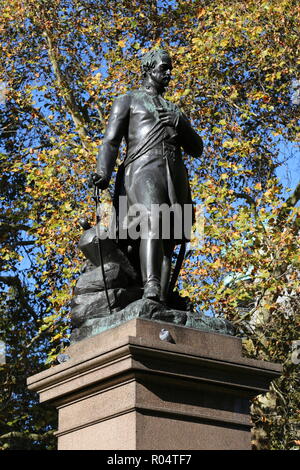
{"x": 153, "y": 172}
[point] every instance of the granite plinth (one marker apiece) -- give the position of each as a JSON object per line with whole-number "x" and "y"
{"x": 127, "y": 389}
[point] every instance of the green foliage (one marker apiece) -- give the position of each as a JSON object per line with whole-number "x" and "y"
{"x": 62, "y": 64}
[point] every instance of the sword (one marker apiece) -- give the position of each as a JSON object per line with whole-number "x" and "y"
{"x": 177, "y": 268}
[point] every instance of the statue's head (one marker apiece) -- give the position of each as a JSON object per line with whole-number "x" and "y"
{"x": 157, "y": 65}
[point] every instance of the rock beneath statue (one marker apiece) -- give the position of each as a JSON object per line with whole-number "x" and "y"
{"x": 151, "y": 310}
{"x": 146, "y": 308}
{"x": 92, "y": 280}
{"x": 89, "y": 244}
{"x": 94, "y": 304}
{"x": 212, "y": 324}
{"x": 121, "y": 281}
{"x": 142, "y": 308}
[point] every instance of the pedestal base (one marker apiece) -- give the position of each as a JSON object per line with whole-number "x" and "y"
{"x": 126, "y": 389}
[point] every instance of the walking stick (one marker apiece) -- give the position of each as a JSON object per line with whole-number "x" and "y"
{"x": 96, "y": 198}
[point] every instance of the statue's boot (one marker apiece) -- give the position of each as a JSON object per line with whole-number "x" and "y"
{"x": 165, "y": 279}
{"x": 151, "y": 256}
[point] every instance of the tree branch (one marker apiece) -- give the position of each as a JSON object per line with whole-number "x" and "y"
{"x": 30, "y": 108}
{"x": 290, "y": 204}
{"x": 14, "y": 281}
{"x": 294, "y": 198}
{"x": 10, "y": 227}
{"x": 67, "y": 93}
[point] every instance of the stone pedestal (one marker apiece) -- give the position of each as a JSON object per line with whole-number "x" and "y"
{"x": 128, "y": 389}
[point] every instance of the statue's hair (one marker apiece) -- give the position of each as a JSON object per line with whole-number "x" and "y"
{"x": 149, "y": 59}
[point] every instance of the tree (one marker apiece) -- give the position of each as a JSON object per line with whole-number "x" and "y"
{"x": 24, "y": 424}
{"x": 62, "y": 63}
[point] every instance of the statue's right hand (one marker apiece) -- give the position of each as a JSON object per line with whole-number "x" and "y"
{"x": 100, "y": 181}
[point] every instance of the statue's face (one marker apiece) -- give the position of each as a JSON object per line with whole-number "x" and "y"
{"x": 161, "y": 73}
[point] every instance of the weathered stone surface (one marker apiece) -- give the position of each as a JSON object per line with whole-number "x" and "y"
{"x": 94, "y": 305}
{"x": 142, "y": 308}
{"x": 90, "y": 301}
{"x": 92, "y": 280}
{"x": 205, "y": 323}
{"x": 149, "y": 309}
{"x": 111, "y": 253}
{"x": 145, "y": 308}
